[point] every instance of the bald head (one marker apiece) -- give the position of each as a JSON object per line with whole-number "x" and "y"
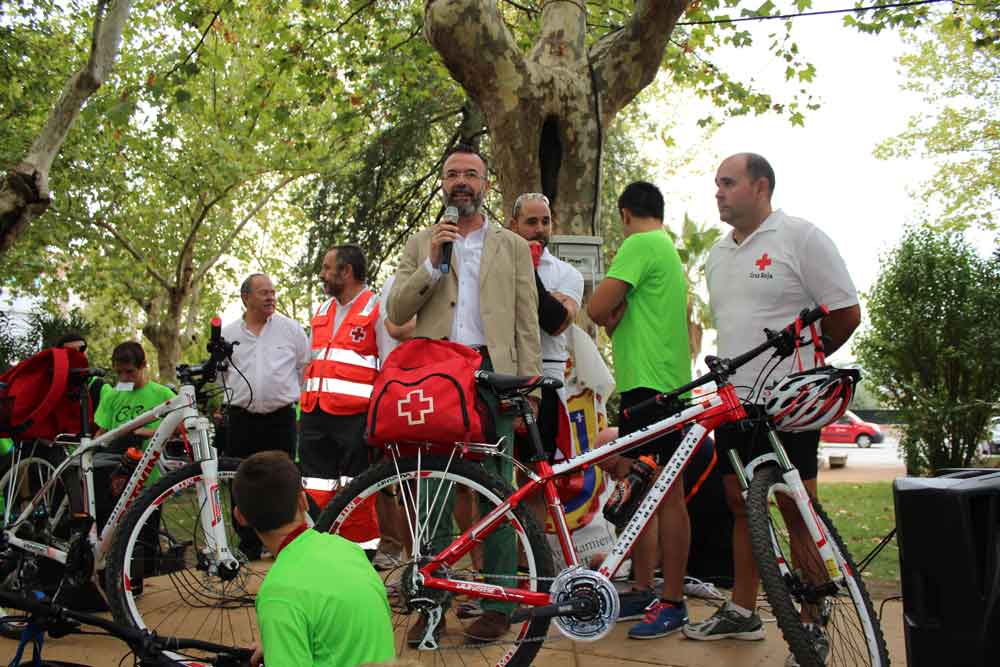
{"x": 757, "y": 167}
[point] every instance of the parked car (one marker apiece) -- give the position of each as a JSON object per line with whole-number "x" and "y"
{"x": 992, "y": 444}
{"x": 851, "y": 428}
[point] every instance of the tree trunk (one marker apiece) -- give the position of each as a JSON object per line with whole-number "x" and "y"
{"x": 547, "y": 111}
{"x": 163, "y": 330}
{"x": 24, "y": 193}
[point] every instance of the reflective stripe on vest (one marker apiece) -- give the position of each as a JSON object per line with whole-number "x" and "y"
{"x": 351, "y": 357}
{"x": 334, "y": 386}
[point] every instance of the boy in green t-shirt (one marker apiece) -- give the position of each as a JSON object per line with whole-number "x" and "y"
{"x": 134, "y": 394}
{"x": 322, "y": 603}
{"x": 642, "y": 303}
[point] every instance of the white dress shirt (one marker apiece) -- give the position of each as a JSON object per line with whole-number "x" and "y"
{"x": 273, "y": 362}
{"x": 467, "y": 253}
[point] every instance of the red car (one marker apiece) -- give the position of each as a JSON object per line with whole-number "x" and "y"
{"x": 851, "y": 428}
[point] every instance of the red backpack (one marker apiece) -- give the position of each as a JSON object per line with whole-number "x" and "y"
{"x": 37, "y": 401}
{"x": 426, "y": 394}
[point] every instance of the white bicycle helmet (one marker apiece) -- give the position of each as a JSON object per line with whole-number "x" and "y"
{"x": 809, "y": 400}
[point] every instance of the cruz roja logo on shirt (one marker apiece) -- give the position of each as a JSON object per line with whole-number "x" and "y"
{"x": 762, "y": 264}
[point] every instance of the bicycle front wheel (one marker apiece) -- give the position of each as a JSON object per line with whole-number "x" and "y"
{"x": 823, "y": 620}
{"x": 160, "y": 574}
{"x": 422, "y": 506}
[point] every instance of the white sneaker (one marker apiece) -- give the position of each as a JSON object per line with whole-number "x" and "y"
{"x": 696, "y": 588}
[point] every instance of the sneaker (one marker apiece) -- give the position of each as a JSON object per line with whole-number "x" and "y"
{"x": 821, "y": 644}
{"x": 726, "y": 623}
{"x": 696, "y": 588}
{"x": 661, "y": 620}
{"x": 634, "y": 603}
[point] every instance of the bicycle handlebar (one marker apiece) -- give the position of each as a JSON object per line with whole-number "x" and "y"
{"x": 140, "y": 640}
{"x": 219, "y": 349}
{"x": 721, "y": 369}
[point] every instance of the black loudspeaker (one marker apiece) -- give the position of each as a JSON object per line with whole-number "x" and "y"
{"x": 949, "y": 556}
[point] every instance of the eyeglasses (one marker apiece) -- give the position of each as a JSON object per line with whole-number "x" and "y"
{"x": 469, "y": 174}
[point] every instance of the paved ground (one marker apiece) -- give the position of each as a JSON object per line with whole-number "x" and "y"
{"x": 615, "y": 650}
{"x": 880, "y": 462}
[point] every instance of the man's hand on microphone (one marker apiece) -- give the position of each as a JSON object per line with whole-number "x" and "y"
{"x": 445, "y": 231}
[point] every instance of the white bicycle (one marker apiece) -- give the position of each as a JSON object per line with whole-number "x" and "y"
{"x": 167, "y": 551}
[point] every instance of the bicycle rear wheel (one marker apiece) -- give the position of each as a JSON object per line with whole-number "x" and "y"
{"x": 798, "y": 586}
{"x": 418, "y": 521}
{"x": 158, "y": 576}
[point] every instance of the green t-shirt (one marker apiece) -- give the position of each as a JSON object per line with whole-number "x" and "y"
{"x": 322, "y": 604}
{"x": 118, "y": 407}
{"x": 650, "y": 343}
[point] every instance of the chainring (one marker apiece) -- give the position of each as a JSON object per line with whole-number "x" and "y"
{"x": 579, "y": 582}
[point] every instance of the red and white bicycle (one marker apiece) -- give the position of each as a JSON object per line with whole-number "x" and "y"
{"x": 817, "y": 586}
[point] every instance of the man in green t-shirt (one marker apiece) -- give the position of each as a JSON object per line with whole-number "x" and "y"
{"x": 322, "y": 603}
{"x": 642, "y": 303}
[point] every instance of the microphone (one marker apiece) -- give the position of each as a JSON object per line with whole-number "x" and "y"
{"x": 450, "y": 215}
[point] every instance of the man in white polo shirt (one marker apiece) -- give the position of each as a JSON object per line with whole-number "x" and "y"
{"x": 763, "y": 274}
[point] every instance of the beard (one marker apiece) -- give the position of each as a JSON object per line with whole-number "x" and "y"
{"x": 331, "y": 288}
{"x": 467, "y": 209}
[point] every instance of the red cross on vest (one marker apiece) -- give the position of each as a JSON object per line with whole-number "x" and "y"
{"x": 763, "y": 262}
{"x": 358, "y": 334}
{"x": 415, "y": 399}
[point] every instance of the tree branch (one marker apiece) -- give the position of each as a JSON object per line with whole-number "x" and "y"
{"x": 196, "y": 224}
{"x": 209, "y": 263}
{"x": 130, "y": 249}
{"x": 476, "y": 47}
{"x": 109, "y": 22}
{"x": 627, "y": 60}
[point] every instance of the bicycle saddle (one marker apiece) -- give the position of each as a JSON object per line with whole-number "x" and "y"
{"x": 507, "y": 383}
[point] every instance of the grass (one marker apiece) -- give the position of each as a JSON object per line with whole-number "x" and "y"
{"x": 863, "y": 514}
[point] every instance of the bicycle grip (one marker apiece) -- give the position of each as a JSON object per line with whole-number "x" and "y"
{"x": 644, "y": 408}
{"x": 216, "y": 334}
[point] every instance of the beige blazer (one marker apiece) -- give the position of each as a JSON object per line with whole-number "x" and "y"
{"x": 508, "y": 299}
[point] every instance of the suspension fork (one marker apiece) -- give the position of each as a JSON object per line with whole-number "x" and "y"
{"x": 211, "y": 514}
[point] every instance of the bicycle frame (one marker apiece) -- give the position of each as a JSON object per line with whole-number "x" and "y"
{"x": 705, "y": 414}
{"x": 180, "y": 409}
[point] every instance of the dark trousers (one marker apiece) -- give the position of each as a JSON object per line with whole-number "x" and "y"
{"x": 250, "y": 433}
{"x": 333, "y": 445}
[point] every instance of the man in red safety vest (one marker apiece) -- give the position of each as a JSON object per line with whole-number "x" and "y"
{"x": 346, "y": 332}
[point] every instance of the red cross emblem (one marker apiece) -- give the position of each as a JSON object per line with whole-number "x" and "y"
{"x": 358, "y": 334}
{"x": 763, "y": 262}
{"x": 422, "y": 404}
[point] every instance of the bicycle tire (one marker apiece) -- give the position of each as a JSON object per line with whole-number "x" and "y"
{"x": 847, "y": 617}
{"x": 531, "y": 545}
{"x": 196, "y": 594}
{"x": 32, "y": 471}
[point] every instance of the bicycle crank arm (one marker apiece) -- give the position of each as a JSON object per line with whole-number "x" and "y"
{"x": 572, "y": 607}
